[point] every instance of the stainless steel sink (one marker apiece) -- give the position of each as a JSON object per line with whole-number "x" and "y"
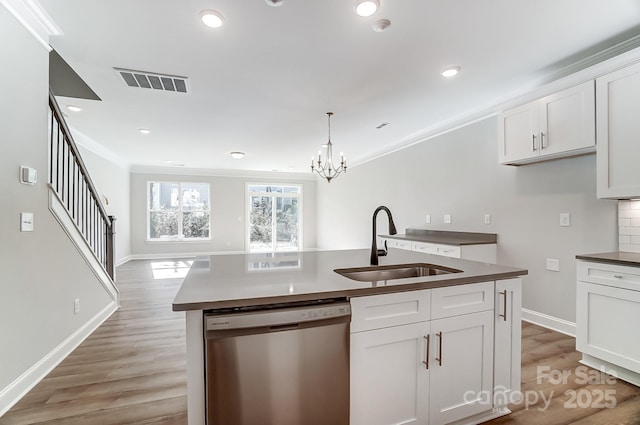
{"x": 397, "y": 271}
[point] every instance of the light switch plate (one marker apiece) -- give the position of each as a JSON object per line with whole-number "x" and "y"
{"x": 565, "y": 219}
{"x": 487, "y": 219}
{"x": 26, "y": 222}
{"x": 428, "y": 219}
{"x": 447, "y": 218}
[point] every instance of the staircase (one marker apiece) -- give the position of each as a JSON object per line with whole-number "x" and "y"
{"x": 74, "y": 201}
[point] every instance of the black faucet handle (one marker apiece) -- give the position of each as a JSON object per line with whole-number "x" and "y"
{"x": 383, "y": 252}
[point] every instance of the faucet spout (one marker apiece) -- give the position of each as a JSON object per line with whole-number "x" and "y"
{"x": 374, "y": 242}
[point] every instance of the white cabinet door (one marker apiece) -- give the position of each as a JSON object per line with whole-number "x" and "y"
{"x": 461, "y": 367}
{"x": 561, "y": 124}
{"x": 389, "y": 381}
{"x": 518, "y": 132}
{"x": 618, "y": 127}
{"x": 607, "y": 324}
{"x": 507, "y": 346}
{"x": 568, "y": 120}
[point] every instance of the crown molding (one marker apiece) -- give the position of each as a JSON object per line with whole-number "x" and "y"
{"x": 34, "y": 18}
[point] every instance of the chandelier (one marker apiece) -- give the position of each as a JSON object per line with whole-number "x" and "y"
{"x": 327, "y": 170}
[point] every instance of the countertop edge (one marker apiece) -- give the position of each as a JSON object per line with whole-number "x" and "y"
{"x": 442, "y": 240}
{"x": 194, "y": 306}
{"x": 616, "y": 257}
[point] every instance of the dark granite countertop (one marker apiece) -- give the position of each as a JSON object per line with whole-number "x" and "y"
{"x": 616, "y": 257}
{"x": 446, "y": 237}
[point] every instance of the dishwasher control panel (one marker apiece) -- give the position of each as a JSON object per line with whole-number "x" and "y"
{"x": 274, "y": 316}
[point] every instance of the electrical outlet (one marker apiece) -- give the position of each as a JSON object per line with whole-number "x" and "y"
{"x": 565, "y": 219}
{"x": 553, "y": 265}
{"x": 447, "y": 219}
{"x": 487, "y": 219}
{"x": 428, "y": 220}
{"x": 76, "y": 306}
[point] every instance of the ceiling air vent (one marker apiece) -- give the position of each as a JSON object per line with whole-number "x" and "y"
{"x": 152, "y": 80}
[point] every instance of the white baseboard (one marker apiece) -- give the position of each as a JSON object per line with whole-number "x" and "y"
{"x": 25, "y": 382}
{"x": 125, "y": 259}
{"x": 549, "y": 322}
{"x": 166, "y": 256}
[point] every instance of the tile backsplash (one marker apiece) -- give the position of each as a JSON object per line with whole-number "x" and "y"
{"x": 629, "y": 226}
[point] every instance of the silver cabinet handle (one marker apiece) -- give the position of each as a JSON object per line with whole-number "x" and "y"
{"x": 426, "y": 356}
{"x": 504, "y": 315}
{"x": 617, "y": 276}
{"x": 533, "y": 142}
{"x": 439, "y": 358}
{"x": 541, "y": 140}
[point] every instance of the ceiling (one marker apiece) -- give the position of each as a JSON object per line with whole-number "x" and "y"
{"x": 263, "y": 82}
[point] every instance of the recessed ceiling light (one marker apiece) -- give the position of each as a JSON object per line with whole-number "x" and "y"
{"x": 451, "y": 71}
{"x": 144, "y": 131}
{"x": 212, "y": 18}
{"x": 74, "y": 108}
{"x": 168, "y": 161}
{"x": 275, "y": 3}
{"x": 366, "y": 7}
{"x": 237, "y": 155}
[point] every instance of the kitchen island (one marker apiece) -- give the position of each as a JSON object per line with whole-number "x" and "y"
{"x": 241, "y": 280}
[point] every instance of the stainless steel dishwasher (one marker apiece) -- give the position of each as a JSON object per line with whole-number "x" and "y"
{"x": 283, "y": 364}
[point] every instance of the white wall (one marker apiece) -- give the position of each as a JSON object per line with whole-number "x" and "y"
{"x": 458, "y": 173}
{"x": 228, "y": 213}
{"x": 113, "y": 184}
{"x": 41, "y": 271}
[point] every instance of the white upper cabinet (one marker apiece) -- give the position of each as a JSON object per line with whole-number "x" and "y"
{"x": 618, "y": 95}
{"x": 558, "y": 125}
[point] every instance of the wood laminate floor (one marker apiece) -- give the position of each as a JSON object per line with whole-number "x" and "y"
{"x": 132, "y": 370}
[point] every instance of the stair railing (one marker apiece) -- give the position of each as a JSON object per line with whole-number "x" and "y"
{"x": 69, "y": 178}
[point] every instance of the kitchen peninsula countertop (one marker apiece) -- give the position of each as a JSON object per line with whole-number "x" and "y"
{"x": 446, "y": 237}
{"x": 236, "y": 280}
{"x": 617, "y": 257}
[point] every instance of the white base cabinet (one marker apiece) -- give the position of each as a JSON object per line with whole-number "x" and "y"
{"x": 486, "y": 253}
{"x": 439, "y": 367}
{"x": 389, "y": 382}
{"x": 607, "y": 317}
{"x": 508, "y": 341}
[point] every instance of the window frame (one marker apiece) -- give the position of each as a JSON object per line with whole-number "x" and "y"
{"x": 180, "y": 236}
{"x": 273, "y": 195}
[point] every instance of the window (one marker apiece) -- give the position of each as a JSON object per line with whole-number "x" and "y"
{"x": 274, "y": 217}
{"x": 178, "y": 211}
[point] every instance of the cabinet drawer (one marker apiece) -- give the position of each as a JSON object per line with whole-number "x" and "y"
{"x": 383, "y": 311}
{"x": 461, "y": 299}
{"x": 609, "y": 274}
{"x": 437, "y": 249}
{"x": 400, "y": 244}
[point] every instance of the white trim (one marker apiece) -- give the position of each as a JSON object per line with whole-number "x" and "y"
{"x": 61, "y": 214}
{"x": 34, "y": 18}
{"x": 620, "y": 372}
{"x": 121, "y": 261}
{"x": 549, "y": 322}
{"x": 29, "y": 379}
{"x": 166, "y": 256}
{"x": 208, "y": 172}
{"x": 195, "y": 368}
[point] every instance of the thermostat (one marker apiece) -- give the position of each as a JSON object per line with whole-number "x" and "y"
{"x": 28, "y": 175}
